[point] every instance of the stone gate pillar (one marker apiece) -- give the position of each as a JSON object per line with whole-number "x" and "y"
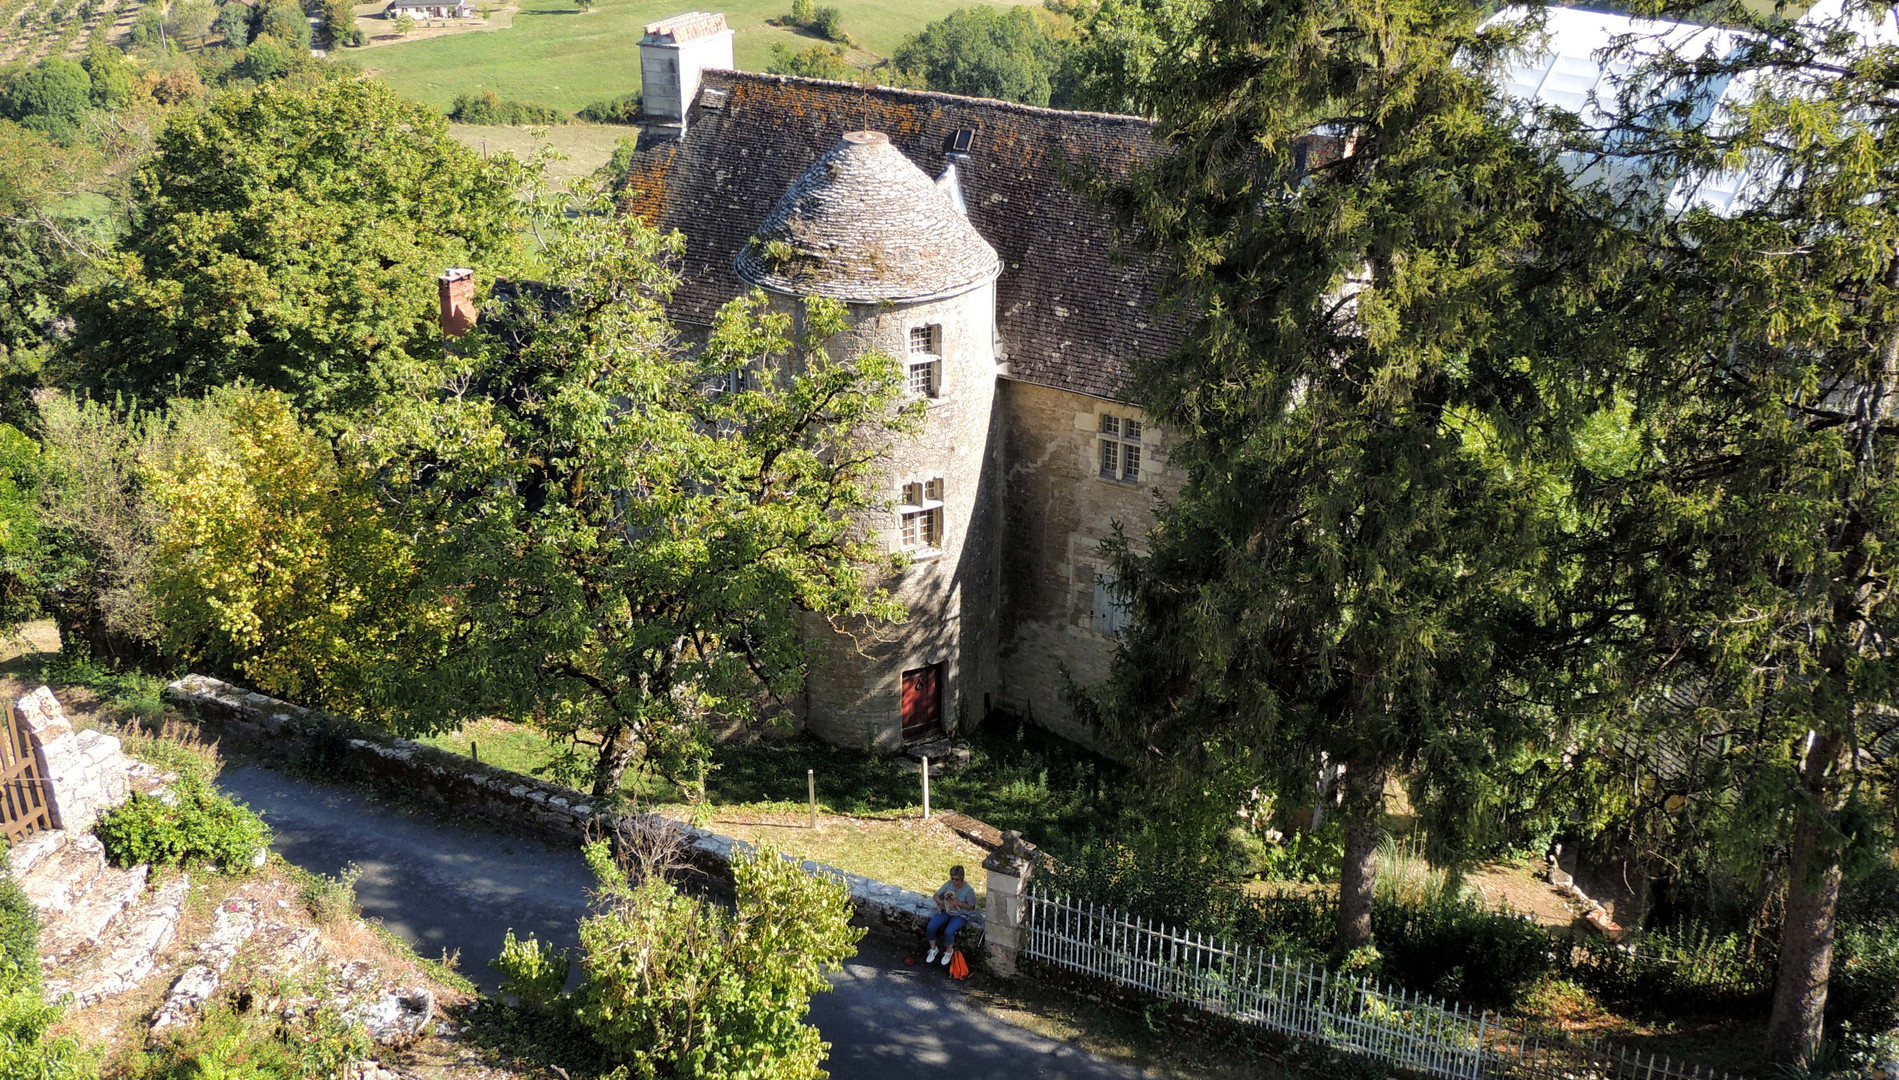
{"x": 1009, "y": 868}
{"x": 84, "y": 770}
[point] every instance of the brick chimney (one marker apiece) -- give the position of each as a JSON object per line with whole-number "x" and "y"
{"x": 458, "y": 301}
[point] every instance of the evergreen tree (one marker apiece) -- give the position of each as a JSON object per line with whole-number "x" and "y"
{"x": 1358, "y": 570}
{"x": 1756, "y": 526}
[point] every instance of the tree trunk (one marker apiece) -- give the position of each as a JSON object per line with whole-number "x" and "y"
{"x": 615, "y": 756}
{"x": 1364, "y": 802}
{"x": 1806, "y": 929}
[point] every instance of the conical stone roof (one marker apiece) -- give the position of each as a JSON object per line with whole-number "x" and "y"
{"x": 865, "y": 224}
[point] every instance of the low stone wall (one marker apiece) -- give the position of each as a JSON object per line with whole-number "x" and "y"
{"x": 498, "y": 796}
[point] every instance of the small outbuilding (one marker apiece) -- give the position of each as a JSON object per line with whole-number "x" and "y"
{"x": 431, "y": 9}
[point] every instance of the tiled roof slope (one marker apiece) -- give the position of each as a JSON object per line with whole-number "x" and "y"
{"x": 1073, "y": 306}
{"x": 865, "y": 224}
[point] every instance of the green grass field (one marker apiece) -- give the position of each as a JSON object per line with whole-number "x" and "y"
{"x": 554, "y": 54}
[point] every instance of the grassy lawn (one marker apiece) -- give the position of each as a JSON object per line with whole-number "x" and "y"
{"x": 584, "y": 147}
{"x": 555, "y": 54}
{"x": 871, "y": 808}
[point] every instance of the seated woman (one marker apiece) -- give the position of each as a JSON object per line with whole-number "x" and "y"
{"x": 954, "y": 902}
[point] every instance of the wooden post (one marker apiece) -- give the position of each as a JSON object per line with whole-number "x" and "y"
{"x": 474, "y": 751}
{"x": 811, "y": 788}
{"x": 926, "y": 788}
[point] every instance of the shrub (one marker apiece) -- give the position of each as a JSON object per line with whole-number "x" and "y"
{"x": 677, "y": 986}
{"x": 828, "y": 23}
{"x": 25, "y": 1051}
{"x": 535, "y": 974}
{"x": 621, "y": 110}
{"x": 816, "y": 62}
{"x": 1865, "y": 986}
{"x": 328, "y": 899}
{"x": 490, "y": 108}
{"x": 203, "y": 826}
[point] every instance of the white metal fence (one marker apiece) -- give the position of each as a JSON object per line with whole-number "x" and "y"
{"x": 1310, "y": 1002}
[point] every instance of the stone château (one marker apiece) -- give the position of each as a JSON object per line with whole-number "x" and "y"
{"x": 956, "y": 232}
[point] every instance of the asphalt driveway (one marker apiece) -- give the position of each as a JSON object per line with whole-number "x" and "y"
{"x": 460, "y": 888}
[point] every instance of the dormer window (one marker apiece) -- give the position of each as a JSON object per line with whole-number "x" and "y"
{"x": 920, "y": 516}
{"x": 925, "y": 361}
{"x": 1120, "y": 449}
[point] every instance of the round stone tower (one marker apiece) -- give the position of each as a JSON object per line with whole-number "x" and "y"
{"x": 864, "y": 225}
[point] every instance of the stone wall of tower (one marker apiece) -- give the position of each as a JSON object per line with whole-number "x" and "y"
{"x": 853, "y": 696}
{"x": 1059, "y": 508}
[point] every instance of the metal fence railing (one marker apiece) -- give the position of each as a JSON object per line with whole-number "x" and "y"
{"x": 1312, "y": 1003}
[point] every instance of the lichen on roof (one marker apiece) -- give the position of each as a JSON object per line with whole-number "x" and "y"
{"x": 865, "y": 224}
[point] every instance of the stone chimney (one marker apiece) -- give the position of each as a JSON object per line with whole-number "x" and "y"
{"x": 672, "y": 54}
{"x": 458, "y": 301}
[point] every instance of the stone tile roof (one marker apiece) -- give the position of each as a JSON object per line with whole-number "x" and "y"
{"x": 865, "y": 224}
{"x": 1073, "y": 306}
{"x": 680, "y": 29}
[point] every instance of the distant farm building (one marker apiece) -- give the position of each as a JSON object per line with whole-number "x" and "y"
{"x": 432, "y": 9}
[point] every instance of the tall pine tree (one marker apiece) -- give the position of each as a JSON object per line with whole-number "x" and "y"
{"x": 1755, "y": 529}
{"x": 1358, "y": 570}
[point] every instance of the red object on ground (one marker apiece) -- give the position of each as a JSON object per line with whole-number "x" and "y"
{"x": 909, "y": 961}
{"x": 959, "y": 967}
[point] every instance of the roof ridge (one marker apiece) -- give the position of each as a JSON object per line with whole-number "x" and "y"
{"x": 927, "y": 95}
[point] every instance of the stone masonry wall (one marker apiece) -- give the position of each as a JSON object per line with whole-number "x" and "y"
{"x": 507, "y": 799}
{"x": 87, "y": 772}
{"x": 853, "y": 696}
{"x": 1060, "y": 508}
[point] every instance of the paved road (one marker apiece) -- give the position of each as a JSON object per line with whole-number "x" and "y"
{"x": 461, "y": 888}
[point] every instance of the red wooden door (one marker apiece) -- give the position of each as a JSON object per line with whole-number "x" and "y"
{"x": 922, "y": 702}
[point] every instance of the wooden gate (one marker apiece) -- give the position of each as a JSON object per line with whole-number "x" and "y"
{"x": 25, "y": 795}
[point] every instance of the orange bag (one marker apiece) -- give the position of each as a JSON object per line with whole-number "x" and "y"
{"x": 959, "y": 967}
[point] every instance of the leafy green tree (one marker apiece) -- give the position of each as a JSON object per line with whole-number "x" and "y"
{"x": 292, "y": 238}
{"x": 148, "y": 30}
{"x": 676, "y": 986}
{"x": 233, "y": 23}
{"x": 630, "y": 551}
{"x": 339, "y": 20}
{"x": 98, "y": 525}
{"x": 112, "y": 78}
{"x": 266, "y": 59}
{"x": 1015, "y": 54}
{"x": 1359, "y": 571}
{"x": 273, "y": 558}
{"x": 404, "y": 25}
{"x": 51, "y": 96}
{"x": 191, "y": 20}
{"x": 19, "y": 526}
{"x": 815, "y": 62}
{"x": 286, "y": 22}
{"x": 1117, "y": 48}
{"x": 41, "y": 252}
{"x": 1759, "y": 518}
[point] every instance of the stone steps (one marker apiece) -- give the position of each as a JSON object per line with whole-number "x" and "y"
{"x": 59, "y": 879}
{"x": 128, "y": 955}
{"x": 85, "y": 924}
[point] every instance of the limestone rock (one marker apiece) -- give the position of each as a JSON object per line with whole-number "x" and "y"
{"x": 235, "y": 923}
{"x": 129, "y": 954}
{"x": 397, "y": 1017}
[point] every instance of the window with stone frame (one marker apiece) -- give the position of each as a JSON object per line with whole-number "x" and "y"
{"x": 1120, "y": 446}
{"x": 925, "y": 360}
{"x": 920, "y": 516}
